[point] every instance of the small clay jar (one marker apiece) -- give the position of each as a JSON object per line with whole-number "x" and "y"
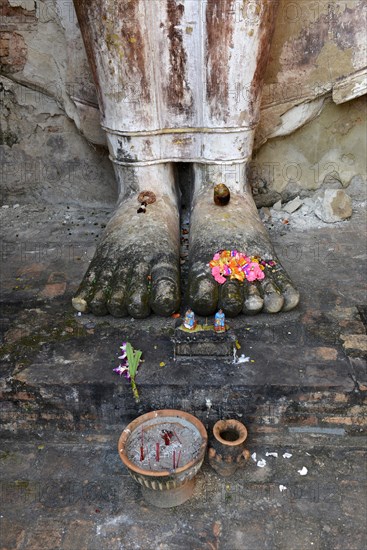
{"x": 221, "y": 194}
{"x": 227, "y": 447}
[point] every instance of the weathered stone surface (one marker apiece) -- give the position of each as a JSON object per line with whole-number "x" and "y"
{"x": 357, "y": 188}
{"x": 265, "y": 213}
{"x": 334, "y": 142}
{"x": 355, "y": 344}
{"x": 293, "y": 205}
{"x": 206, "y": 343}
{"x": 333, "y": 206}
{"x": 51, "y": 70}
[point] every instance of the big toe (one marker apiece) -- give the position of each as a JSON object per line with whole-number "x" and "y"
{"x": 231, "y": 298}
{"x": 202, "y": 294}
{"x": 165, "y": 292}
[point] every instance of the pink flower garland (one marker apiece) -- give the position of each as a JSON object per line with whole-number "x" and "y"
{"x": 236, "y": 265}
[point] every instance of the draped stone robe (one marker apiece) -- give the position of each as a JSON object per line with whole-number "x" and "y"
{"x": 178, "y": 80}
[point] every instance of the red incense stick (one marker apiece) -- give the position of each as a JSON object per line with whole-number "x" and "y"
{"x": 157, "y": 452}
{"x": 178, "y": 458}
{"x": 174, "y": 459}
{"x": 179, "y": 440}
{"x": 141, "y": 453}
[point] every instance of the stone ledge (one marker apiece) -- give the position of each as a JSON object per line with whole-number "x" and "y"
{"x": 203, "y": 343}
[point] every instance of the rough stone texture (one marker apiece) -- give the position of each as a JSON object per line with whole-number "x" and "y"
{"x": 293, "y": 205}
{"x": 318, "y": 50}
{"x": 355, "y": 344}
{"x": 315, "y": 48}
{"x": 78, "y": 496}
{"x": 203, "y": 344}
{"x": 49, "y": 117}
{"x": 333, "y": 206}
{"x": 310, "y": 157}
{"x": 62, "y": 483}
{"x": 357, "y": 188}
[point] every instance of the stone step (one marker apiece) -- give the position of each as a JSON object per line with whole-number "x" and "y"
{"x": 285, "y": 384}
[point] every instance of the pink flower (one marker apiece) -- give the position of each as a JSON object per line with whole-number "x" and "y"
{"x": 123, "y": 347}
{"x": 216, "y": 256}
{"x": 216, "y": 272}
{"x": 220, "y": 279}
{"x": 253, "y": 272}
{"x": 122, "y": 370}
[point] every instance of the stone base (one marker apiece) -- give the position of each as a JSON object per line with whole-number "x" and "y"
{"x": 203, "y": 343}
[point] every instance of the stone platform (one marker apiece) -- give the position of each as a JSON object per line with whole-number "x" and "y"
{"x": 302, "y": 391}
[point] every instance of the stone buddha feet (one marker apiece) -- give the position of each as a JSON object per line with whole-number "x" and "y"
{"x": 135, "y": 269}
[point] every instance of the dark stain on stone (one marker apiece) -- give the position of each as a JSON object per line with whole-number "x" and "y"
{"x": 331, "y": 27}
{"x": 177, "y": 88}
{"x": 313, "y": 40}
{"x": 16, "y": 14}
{"x": 122, "y": 154}
{"x": 219, "y": 26}
{"x": 13, "y": 52}
{"x": 133, "y": 43}
{"x": 266, "y": 34}
{"x": 345, "y": 28}
{"x": 87, "y": 12}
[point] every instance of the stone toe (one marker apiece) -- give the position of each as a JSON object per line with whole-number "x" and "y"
{"x": 231, "y": 298}
{"x": 80, "y": 303}
{"x": 138, "y": 294}
{"x": 117, "y": 302}
{"x": 253, "y": 301}
{"x": 284, "y": 283}
{"x": 102, "y": 288}
{"x": 98, "y": 303}
{"x": 165, "y": 298}
{"x": 291, "y": 297}
{"x": 203, "y": 294}
{"x": 273, "y": 299}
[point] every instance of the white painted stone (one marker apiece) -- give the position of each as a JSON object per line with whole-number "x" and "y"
{"x": 25, "y": 4}
{"x": 333, "y": 205}
{"x": 351, "y": 87}
{"x": 298, "y": 116}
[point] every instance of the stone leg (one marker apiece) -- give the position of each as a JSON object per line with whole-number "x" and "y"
{"x": 136, "y": 266}
{"x": 234, "y": 226}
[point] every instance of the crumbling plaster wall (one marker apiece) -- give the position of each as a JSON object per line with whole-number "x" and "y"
{"x": 313, "y": 118}
{"x": 313, "y": 113}
{"x": 51, "y": 145}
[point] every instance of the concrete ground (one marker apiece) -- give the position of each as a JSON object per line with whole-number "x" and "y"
{"x": 303, "y": 391}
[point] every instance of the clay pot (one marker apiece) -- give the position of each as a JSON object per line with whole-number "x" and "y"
{"x": 221, "y": 194}
{"x": 227, "y": 448}
{"x": 170, "y": 486}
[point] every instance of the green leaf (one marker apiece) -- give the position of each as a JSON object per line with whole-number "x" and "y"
{"x": 133, "y": 359}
